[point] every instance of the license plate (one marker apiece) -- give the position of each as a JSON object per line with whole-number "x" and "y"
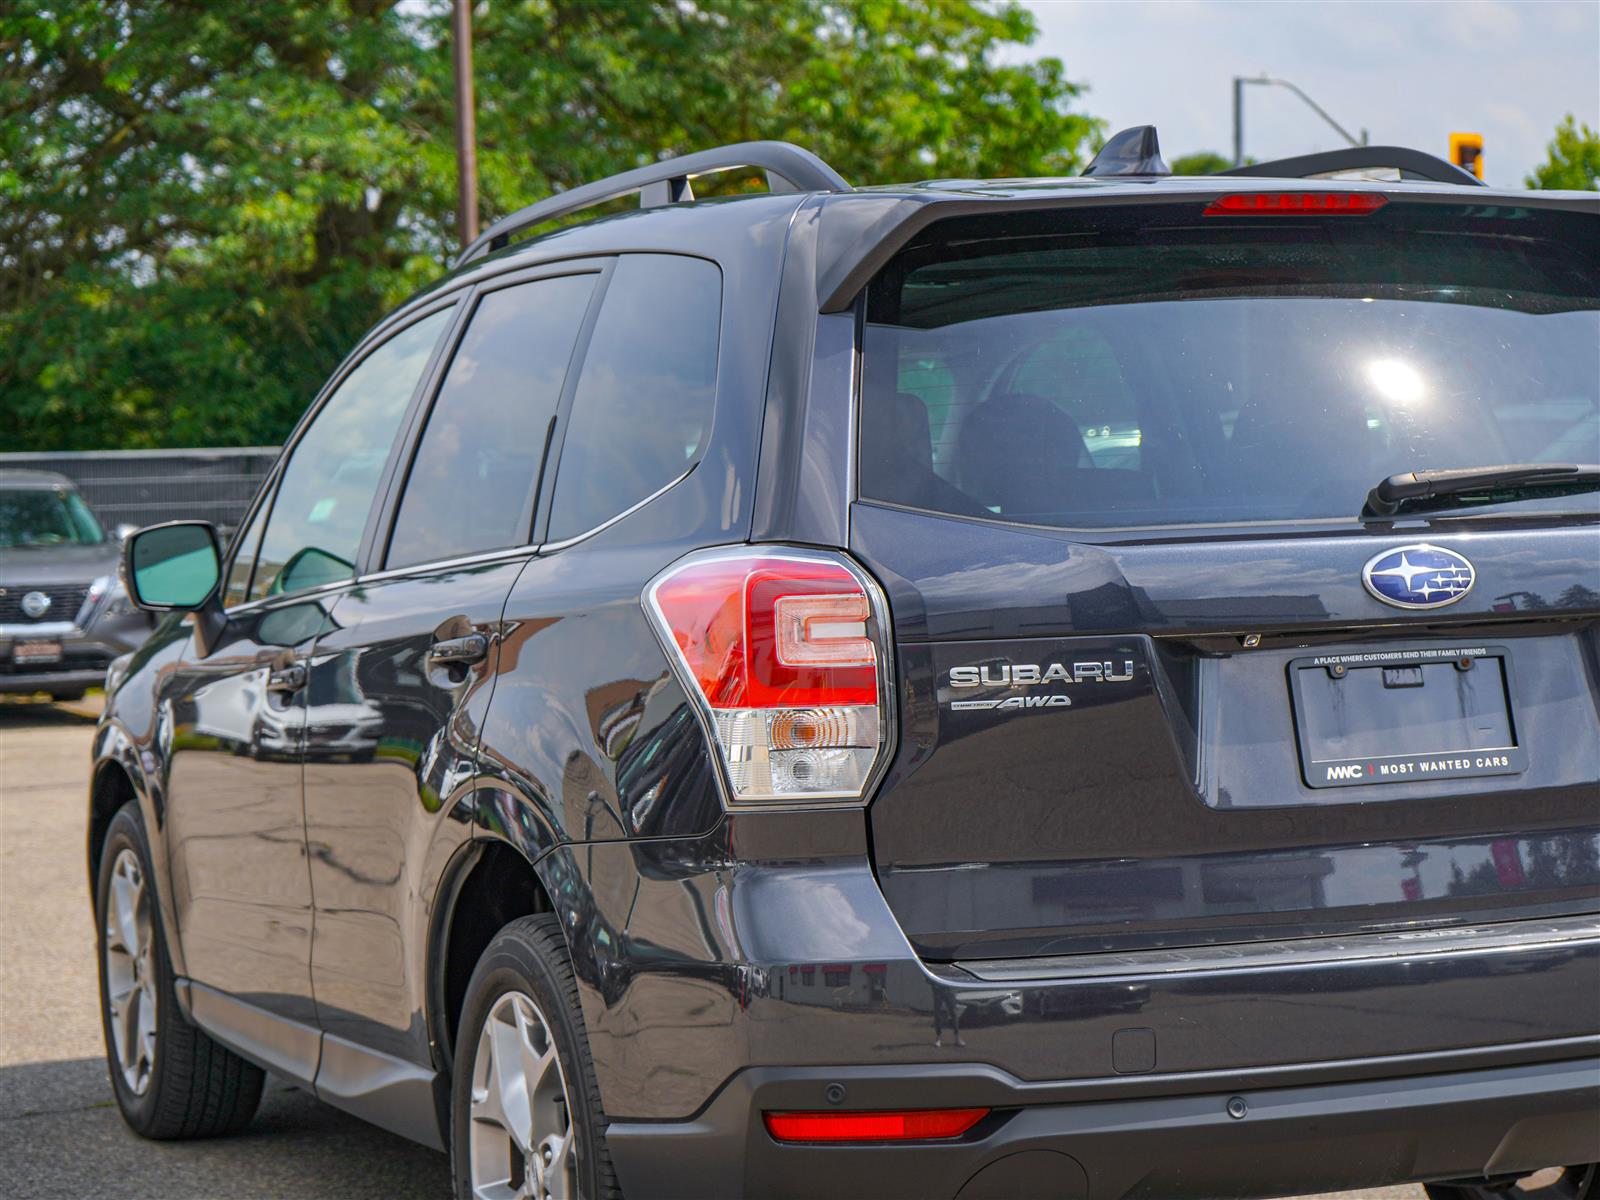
{"x": 36, "y": 654}
{"x": 1406, "y": 715}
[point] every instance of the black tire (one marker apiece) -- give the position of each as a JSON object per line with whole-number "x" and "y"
{"x": 529, "y": 956}
{"x": 1574, "y": 1183}
{"x": 193, "y": 1087}
{"x": 69, "y": 695}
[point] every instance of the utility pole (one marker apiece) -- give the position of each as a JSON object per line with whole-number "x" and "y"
{"x": 466, "y": 125}
{"x": 1238, "y": 112}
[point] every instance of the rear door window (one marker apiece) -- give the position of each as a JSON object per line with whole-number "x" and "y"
{"x": 641, "y": 412}
{"x": 473, "y": 477}
{"x": 1140, "y": 366}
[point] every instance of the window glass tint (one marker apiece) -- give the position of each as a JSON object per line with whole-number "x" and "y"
{"x": 472, "y": 479}
{"x": 1158, "y": 367}
{"x": 248, "y": 540}
{"x": 327, "y": 489}
{"x": 642, "y": 409}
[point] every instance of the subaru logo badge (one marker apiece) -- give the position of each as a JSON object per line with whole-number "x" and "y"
{"x": 35, "y": 604}
{"x": 1419, "y": 576}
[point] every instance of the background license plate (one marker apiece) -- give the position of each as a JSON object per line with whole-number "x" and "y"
{"x": 36, "y": 652}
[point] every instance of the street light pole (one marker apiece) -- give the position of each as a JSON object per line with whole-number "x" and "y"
{"x": 1238, "y": 112}
{"x": 1238, "y": 121}
{"x": 466, "y": 125}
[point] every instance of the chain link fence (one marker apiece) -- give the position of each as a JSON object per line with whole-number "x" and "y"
{"x": 144, "y": 487}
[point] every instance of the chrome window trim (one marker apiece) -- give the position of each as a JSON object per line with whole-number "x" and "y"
{"x": 441, "y": 564}
{"x": 445, "y": 564}
{"x": 627, "y": 512}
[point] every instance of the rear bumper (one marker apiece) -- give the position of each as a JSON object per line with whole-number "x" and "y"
{"x": 1155, "y": 1137}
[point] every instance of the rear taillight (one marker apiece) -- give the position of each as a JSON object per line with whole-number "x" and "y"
{"x": 1294, "y": 204}
{"x": 784, "y": 651}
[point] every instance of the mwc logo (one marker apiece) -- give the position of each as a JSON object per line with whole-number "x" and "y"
{"x": 1347, "y": 771}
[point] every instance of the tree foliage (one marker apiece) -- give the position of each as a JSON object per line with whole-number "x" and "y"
{"x": 1574, "y": 160}
{"x": 204, "y": 202}
{"x": 1201, "y": 162}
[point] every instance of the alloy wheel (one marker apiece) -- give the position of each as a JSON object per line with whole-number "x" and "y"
{"x": 521, "y": 1132}
{"x": 130, "y": 971}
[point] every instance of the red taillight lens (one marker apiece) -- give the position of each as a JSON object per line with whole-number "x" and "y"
{"x": 905, "y": 1125}
{"x": 783, "y": 650}
{"x": 1290, "y": 204}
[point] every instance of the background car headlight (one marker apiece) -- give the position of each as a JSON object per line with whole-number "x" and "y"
{"x": 110, "y": 598}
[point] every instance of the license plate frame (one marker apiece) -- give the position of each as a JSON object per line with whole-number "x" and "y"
{"x": 36, "y": 652}
{"x": 1328, "y": 761}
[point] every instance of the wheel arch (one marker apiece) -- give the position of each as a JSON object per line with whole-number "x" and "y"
{"x": 488, "y": 884}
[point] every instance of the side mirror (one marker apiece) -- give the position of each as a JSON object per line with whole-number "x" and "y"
{"x": 310, "y": 567}
{"x": 124, "y": 531}
{"x": 172, "y": 567}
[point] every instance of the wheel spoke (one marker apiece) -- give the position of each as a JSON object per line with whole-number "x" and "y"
{"x": 559, "y": 1172}
{"x": 124, "y": 904}
{"x": 129, "y": 967}
{"x": 515, "y": 1104}
{"x": 522, "y": 1140}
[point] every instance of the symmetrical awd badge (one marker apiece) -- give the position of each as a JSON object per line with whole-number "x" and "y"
{"x": 1418, "y": 576}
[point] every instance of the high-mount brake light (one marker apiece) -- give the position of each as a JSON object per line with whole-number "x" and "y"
{"x": 1293, "y": 204}
{"x": 784, "y": 651}
{"x": 900, "y": 1125}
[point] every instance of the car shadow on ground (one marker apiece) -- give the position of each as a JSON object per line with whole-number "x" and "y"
{"x": 61, "y": 1135}
{"x": 22, "y": 714}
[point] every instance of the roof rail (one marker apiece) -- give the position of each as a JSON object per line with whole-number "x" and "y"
{"x": 789, "y": 169}
{"x": 1412, "y": 164}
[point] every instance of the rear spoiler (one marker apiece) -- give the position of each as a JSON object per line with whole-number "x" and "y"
{"x": 862, "y": 231}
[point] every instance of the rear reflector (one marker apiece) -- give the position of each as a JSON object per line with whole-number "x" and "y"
{"x": 904, "y": 1125}
{"x": 1291, "y": 204}
{"x": 783, "y": 651}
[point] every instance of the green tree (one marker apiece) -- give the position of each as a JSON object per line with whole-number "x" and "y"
{"x": 1574, "y": 160}
{"x": 1201, "y": 162}
{"x": 204, "y": 202}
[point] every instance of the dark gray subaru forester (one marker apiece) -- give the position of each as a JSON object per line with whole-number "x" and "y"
{"x": 1040, "y": 688}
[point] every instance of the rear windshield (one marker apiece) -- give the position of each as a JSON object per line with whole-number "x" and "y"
{"x": 1096, "y": 368}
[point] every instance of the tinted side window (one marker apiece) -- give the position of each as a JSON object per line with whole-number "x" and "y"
{"x": 326, "y": 491}
{"x": 248, "y": 540}
{"x": 472, "y": 480}
{"x": 642, "y": 409}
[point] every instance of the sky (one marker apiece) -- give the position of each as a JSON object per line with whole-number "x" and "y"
{"x": 1408, "y": 71}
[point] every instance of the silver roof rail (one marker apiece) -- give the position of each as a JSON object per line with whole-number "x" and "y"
{"x": 788, "y": 167}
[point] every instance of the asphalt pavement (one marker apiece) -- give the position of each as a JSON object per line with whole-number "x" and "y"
{"x": 60, "y": 1133}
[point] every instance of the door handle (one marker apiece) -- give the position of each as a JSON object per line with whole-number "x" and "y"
{"x": 474, "y": 647}
{"x": 287, "y": 679}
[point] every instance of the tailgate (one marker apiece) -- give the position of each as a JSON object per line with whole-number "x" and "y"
{"x": 1160, "y": 686}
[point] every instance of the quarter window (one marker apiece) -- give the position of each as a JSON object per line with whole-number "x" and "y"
{"x": 472, "y": 479}
{"x": 326, "y": 492}
{"x": 641, "y": 412}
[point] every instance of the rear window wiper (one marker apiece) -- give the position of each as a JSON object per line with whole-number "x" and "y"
{"x": 1413, "y": 490}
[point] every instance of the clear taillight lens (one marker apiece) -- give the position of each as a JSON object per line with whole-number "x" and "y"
{"x": 784, "y": 652}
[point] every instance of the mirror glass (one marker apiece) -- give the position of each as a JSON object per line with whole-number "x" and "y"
{"x": 173, "y": 566}
{"x": 311, "y": 567}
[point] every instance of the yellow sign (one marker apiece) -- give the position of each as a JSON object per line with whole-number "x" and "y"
{"x": 1466, "y": 151}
